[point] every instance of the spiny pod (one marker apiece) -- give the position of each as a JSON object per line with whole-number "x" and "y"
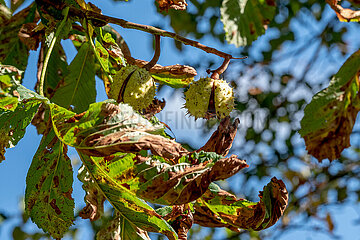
{"x": 207, "y": 98}
{"x": 133, "y": 85}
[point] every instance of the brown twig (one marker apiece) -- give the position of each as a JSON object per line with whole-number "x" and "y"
{"x": 221, "y": 69}
{"x": 344, "y": 13}
{"x": 146, "y": 28}
{"x": 156, "y": 54}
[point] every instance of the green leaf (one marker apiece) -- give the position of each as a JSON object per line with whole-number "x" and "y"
{"x": 245, "y": 20}
{"x": 103, "y": 56}
{"x": 135, "y": 210}
{"x": 56, "y": 71}
{"x": 121, "y": 228}
{"x": 330, "y": 116}
{"x": 107, "y": 128}
{"x": 78, "y": 89}
{"x": 9, "y": 76}
{"x": 13, "y": 123}
{"x": 12, "y": 50}
{"x": 48, "y": 192}
{"x": 172, "y": 80}
{"x": 218, "y": 208}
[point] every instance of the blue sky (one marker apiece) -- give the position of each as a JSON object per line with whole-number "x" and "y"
{"x": 13, "y": 170}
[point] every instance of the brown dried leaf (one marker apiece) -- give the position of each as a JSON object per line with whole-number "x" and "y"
{"x": 183, "y": 221}
{"x": 330, "y": 116}
{"x": 155, "y": 107}
{"x": 221, "y": 140}
{"x": 331, "y": 144}
{"x": 221, "y": 209}
{"x": 183, "y": 183}
{"x": 174, "y": 4}
{"x": 174, "y": 70}
{"x": 119, "y": 142}
{"x": 94, "y": 199}
{"x": 29, "y": 36}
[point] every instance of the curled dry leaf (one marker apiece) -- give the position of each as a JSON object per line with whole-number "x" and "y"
{"x": 107, "y": 128}
{"x": 221, "y": 140}
{"x": 94, "y": 199}
{"x": 155, "y": 107}
{"x": 183, "y": 222}
{"x": 218, "y": 208}
{"x": 130, "y": 142}
{"x": 174, "y": 4}
{"x": 184, "y": 182}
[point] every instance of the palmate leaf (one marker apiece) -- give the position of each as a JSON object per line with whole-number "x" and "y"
{"x": 330, "y": 116}
{"x": 135, "y": 210}
{"x": 78, "y": 89}
{"x": 49, "y": 181}
{"x": 245, "y": 20}
{"x": 120, "y": 228}
{"x": 107, "y": 128}
{"x": 218, "y": 208}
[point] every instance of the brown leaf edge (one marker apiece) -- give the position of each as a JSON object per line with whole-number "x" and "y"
{"x": 195, "y": 185}
{"x": 264, "y": 214}
{"x": 94, "y": 199}
{"x": 337, "y": 137}
{"x": 221, "y": 140}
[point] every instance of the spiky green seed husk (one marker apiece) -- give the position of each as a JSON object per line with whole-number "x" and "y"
{"x": 198, "y": 98}
{"x": 139, "y": 90}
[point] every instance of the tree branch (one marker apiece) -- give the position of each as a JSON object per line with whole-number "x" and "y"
{"x": 91, "y": 15}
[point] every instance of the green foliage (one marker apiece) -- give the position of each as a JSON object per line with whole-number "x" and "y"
{"x": 173, "y": 81}
{"x": 245, "y": 20}
{"x": 120, "y": 227}
{"x": 13, "y": 122}
{"x": 12, "y": 50}
{"x": 127, "y": 157}
{"x": 49, "y": 181}
{"x": 56, "y": 71}
{"x": 78, "y": 89}
{"x": 137, "y": 211}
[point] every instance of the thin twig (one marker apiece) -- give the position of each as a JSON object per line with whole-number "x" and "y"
{"x": 221, "y": 69}
{"x": 149, "y": 29}
{"x": 156, "y": 54}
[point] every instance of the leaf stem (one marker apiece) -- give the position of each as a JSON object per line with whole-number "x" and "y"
{"x": 48, "y": 53}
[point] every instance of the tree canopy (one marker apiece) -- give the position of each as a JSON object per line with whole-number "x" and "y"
{"x": 290, "y": 144}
